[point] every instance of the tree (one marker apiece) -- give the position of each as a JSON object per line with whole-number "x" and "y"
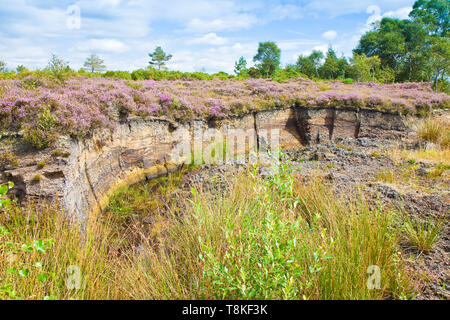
{"x": 94, "y": 64}
{"x": 310, "y": 65}
{"x": 3, "y": 67}
{"x": 58, "y": 68}
{"x": 159, "y": 57}
{"x": 330, "y": 69}
{"x": 268, "y": 57}
{"x": 386, "y": 41}
{"x": 417, "y": 47}
{"x": 21, "y": 68}
{"x": 240, "y": 67}
{"x": 254, "y": 72}
{"x": 343, "y": 68}
{"x": 433, "y": 14}
{"x": 439, "y": 58}
{"x": 306, "y": 66}
{"x": 363, "y": 67}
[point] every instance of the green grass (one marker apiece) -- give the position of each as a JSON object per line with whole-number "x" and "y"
{"x": 262, "y": 239}
{"x": 422, "y": 235}
{"x": 273, "y": 240}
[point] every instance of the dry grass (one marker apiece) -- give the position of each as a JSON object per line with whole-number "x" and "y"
{"x": 436, "y": 130}
{"x": 36, "y": 248}
{"x": 275, "y": 239}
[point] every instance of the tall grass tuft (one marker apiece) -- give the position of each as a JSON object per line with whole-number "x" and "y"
{"x": 37, "y": 247}
{"x": 436, "y": 130}
{"x": 423, "y": 235}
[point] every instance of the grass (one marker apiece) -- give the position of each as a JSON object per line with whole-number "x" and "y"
{"x": 436, "y": 130}
{"x": 262, "y": 239}
{"x": 38, "y": 246}
{"x": 387, "y": 175}
{"x": 430, "y": 155}
{"x": 41, "y": 164}
{"x": 421, "y": 235}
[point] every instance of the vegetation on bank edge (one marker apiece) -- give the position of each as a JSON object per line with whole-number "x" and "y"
{"x": 56, "y": 100}
{"x": 42, "y": 110}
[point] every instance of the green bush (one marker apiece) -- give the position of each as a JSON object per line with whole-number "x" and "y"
{"x": 43, "y": 133}
{"x": 118, "y": 74}
{"x": 8, "y": 161}
{"x": 348, "y": 81}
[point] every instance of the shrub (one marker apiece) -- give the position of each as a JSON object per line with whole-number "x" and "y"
{"x": 118, "y": 74}
{"x": 59, "y": 69}
{"x": 4, "y": 201}
{"x": 37, "y": 178}
{"x": 348, "y": 81}
{"x": 57, "y": 153}
{"x": 141, "y": 74}
{"x": 8, "y": 160}
{"x": 43, "y": 133}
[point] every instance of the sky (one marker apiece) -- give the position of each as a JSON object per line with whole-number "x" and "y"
{"x": 202, "y": 35}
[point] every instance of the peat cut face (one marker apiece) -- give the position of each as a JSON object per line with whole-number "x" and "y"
{"x": 82, "y": 174}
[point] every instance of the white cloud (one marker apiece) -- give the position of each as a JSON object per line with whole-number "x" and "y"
{"x": 322, "y": 47}
{"x": 335, "y": 8}
{"x": 213, "y": 59}
{"x": 124, "y": 32}
{"x": 402, "y": 13}
{"x": 210, "y": 38}
{"x": 102, "y": 45}
{"x": 330, "y": 35}
{"x": 290, "y": 11}
{"x": 295, "y": 45}
{"x": 229, "y": 23}
{"x": 376, "y": 15}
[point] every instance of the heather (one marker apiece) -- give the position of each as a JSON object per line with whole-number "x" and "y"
{"x": 44, "y": 109}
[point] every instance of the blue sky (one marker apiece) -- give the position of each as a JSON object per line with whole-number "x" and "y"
{"x": 202, "y": 35}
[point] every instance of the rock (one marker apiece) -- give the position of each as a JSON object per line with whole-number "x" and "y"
{"x": 86, "y": 173}
{"x": 387, "y": 190}
{"x": 430, "y": 146}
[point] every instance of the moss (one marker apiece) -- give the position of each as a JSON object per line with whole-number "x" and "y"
{"x": 375, "y": 154}
{"x": 57, "y": 153}
{"x": 37, "y": 178}
{"x": 41, "y": 164}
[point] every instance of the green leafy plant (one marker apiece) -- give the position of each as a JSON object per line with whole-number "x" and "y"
{"x": 4, "y": 201}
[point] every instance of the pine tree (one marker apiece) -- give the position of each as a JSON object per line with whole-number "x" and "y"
{"x": 94, "y": 64}
{"x": 159, "y": 57}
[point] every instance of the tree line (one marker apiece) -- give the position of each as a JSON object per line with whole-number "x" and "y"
{"x": 394, "y": 50}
